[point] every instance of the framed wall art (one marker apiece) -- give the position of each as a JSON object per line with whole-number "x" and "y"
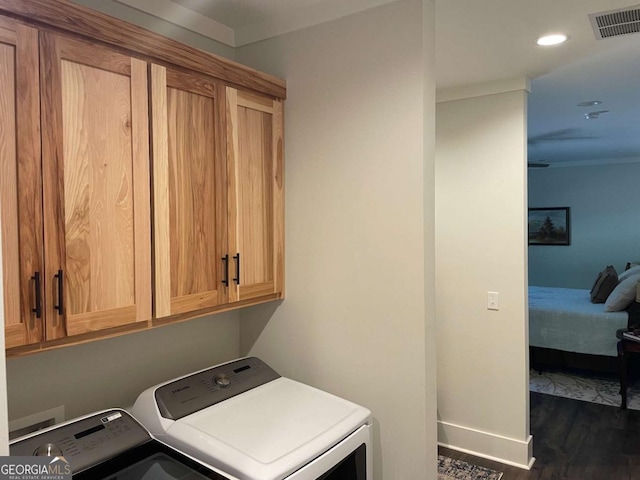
{"x": 549, "y": 226}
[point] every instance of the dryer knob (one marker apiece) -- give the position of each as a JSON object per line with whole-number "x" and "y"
{"x": 222, "y": 381}
{"x": 48, "y": 450}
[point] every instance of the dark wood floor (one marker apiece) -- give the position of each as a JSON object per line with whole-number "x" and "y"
{"x": 575, "y": 440}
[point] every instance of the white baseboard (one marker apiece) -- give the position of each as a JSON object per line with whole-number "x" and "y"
{"x": 509, "y": 451}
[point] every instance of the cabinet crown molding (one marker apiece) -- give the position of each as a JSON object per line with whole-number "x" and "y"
{"x": 80, "y": 21}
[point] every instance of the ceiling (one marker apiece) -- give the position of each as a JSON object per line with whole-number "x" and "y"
{"x": 559, "y": 132}
{"x": 480, "y": 42}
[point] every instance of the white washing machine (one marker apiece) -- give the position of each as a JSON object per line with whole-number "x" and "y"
{"x": 246, "y": 420}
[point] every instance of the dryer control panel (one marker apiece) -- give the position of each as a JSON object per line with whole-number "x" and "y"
{"x": 195, "y": 392}
{"x": 87, "y": 441}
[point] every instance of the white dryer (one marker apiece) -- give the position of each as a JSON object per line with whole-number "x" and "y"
{"x": 109, "y": 445}
{"x": 243, "y": 418}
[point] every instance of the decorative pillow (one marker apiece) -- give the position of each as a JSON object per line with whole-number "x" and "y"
{"x": 622, "y": 295}
{"x": 595, "y": 282}
{"x": 633, "y": 270}
{"x": 604, "y": 285}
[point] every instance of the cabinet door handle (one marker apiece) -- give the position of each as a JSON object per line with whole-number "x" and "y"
{"x": 237, "y": 277}
{"x": 38, "y": 293}
{"x": 225, "y": 279}
{"x": 60, "y": 305}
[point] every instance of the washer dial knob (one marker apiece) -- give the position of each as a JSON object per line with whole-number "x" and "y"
{"x": 222, "y": 381}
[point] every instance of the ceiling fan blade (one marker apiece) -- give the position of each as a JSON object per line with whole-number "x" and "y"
{"x": 560, "y": 136}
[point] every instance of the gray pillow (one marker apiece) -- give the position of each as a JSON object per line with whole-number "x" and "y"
{"x": 605, "y": 283}
{"x": 633, "y": 270}
{"x": 622, "y": 295}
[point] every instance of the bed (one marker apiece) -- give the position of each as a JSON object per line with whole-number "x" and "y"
{"x": 565, "y": 319}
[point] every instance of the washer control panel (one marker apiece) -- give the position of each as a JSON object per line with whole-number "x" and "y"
{"x": 87, "y": 441}
{"x": 195, "y": 392}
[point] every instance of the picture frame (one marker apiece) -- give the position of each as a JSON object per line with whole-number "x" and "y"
{"x": 549, "y": 226}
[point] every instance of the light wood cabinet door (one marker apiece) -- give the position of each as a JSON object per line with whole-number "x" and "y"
{"x": 189, "y": 192}
{"x": 20, "y": 185}
{"x": 96, "y": 187}
{"x": 256, "y": 194}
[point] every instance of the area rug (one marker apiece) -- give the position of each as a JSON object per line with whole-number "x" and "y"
{"x": 450, "y": 469}
{"x": 603, "y": 390}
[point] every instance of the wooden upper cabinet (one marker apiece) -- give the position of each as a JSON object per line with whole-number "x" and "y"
{"x": 188, "y": 188}
{"x": 218, "y": 193}
{"x": 96, "y": 187}
{"x": 94, "y": 114}
{"x": 255, "y": 194}
{"x": 20, "y": 185}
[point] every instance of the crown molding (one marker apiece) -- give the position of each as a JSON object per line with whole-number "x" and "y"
{"x": 185, "y": 18}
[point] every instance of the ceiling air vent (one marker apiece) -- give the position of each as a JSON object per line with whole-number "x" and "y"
{"x": 616, "y": 22}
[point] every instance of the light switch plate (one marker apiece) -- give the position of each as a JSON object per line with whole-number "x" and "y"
{"x": 493, "y": 301}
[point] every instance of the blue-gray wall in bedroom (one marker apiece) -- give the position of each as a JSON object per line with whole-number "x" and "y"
{"x": 605, "y": 222}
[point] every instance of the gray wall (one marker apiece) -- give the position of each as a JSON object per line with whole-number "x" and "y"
{"x": 482, "y": 356}
{"x": 605, "y": 226}
{"x": 157, "y": 25}
{"x": 112, "y": 372}
{"x": 357, "y": 320}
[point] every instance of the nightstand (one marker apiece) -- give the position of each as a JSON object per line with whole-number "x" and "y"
{"x": 625, "y": 348}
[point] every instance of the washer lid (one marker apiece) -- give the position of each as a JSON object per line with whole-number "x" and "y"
{"x": 269, "y": 431}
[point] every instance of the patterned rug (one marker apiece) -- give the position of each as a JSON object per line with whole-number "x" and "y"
{"x": 450, "y": 469}
{"x": 603, "y": 390}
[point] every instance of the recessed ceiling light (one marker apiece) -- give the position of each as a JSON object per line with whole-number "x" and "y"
{"x": 590, "y": 103}
{"x": 549, "y": 40}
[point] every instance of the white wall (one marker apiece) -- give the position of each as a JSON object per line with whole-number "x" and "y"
{"x": 604, "y": 223}
{"x": 353, "y": 321}
{"x": 482, "y": 357}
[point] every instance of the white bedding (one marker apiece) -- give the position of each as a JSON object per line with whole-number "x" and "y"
{"x": 565, "y": 319}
